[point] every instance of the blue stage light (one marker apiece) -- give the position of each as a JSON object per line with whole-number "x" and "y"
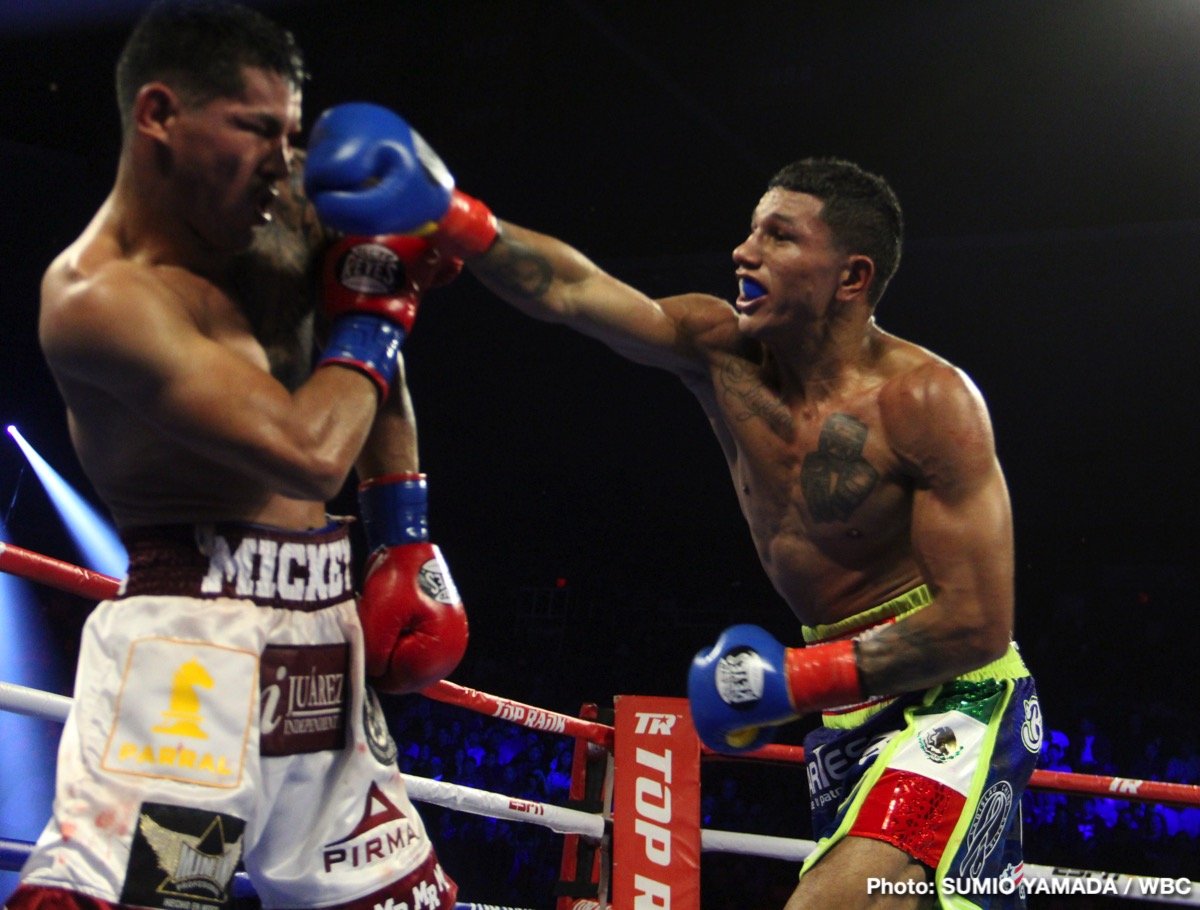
{"x": 99, "y": 546}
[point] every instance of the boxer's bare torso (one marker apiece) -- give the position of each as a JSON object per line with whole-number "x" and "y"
{"x": 824, "y": 487}
{"x": 148, "y": 468}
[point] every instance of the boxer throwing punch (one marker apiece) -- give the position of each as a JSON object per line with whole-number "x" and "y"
{"x": 866, "y": 469}
{"x": 221, "y": 712}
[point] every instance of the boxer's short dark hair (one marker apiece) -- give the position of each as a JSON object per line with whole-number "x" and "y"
{"x": 860, "y": 208}
{"x": 200, "y": 48}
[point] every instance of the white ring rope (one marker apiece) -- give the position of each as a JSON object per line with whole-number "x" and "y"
{"x": 33, "y": 702}
{"x": 768, "y": 846}
{"x": 496, "y": 805}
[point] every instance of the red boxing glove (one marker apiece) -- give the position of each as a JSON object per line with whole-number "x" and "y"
{"x": 383, "y": 276}
{"x": 467, "y": 229}
{"x": 823, "y": 676}
{"x": 371, "y": 288}
{"x": 414, "y": 623}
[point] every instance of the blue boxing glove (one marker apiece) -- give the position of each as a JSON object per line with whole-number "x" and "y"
{"x": 369, "y": 172}
{"x": 738, "y": 690}
{"x": 747, "y": 684}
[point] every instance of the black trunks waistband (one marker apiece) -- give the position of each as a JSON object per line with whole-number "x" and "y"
{"x": 273, "y": 567}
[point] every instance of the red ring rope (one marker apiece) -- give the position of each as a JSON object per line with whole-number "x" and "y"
{"x": 56, "y": 573}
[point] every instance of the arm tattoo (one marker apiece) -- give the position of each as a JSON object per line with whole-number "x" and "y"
{"x": 836, "y": 479}
{"x": 743, "y": 387}
{"x": 517, "y": 270}
{"x": 898, "y": 657}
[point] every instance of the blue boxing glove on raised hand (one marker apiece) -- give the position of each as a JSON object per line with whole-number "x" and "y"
{"x": 747, "y": 684}
{"x": 369, "y": 172}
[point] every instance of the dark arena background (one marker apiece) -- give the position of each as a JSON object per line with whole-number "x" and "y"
{"x": 1045, "y": 155}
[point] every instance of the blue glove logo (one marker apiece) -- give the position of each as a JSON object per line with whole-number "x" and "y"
{"x": 739, "y": 678}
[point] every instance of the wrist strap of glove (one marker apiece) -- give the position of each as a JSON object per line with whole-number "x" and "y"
{"x": 394, "y": 510}
{"x": 823, "y": 676}
{"x": 368, "y": 344}
{"x": 468, "y": 228}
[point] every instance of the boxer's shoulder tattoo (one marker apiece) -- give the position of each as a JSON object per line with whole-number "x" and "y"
{"x": 836, "y": 478}
{"x": 518, "y": 269}
{"x": 748, "y": 398}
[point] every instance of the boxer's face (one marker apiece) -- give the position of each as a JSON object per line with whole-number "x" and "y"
{"x": 792, "y": 262}
{"x": 232, "y": 154}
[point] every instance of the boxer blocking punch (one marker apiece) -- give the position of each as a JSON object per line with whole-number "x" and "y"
{"x": 184, "y": 313}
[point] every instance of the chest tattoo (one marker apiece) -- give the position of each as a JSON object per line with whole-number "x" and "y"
{"x": 836, "y": 478}
{"x": 748, "y": 398}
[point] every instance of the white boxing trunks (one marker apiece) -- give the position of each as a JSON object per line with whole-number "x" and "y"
{"x": 221, "y": 716}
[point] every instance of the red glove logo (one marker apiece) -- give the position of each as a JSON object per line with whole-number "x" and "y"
{"x": 434, "y": 579}
{"x": 372, "y": 268}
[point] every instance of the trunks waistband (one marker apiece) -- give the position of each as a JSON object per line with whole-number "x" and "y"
{"x": 888, "y": 611}
{"x": 1008, "y": 666}
{"x": 272, "y": 567}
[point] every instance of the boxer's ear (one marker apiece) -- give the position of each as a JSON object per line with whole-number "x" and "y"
{"x": 154, "y": 108}
{"x": 857, "y": 277}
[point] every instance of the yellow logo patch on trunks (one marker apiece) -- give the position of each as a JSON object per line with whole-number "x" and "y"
{"x": 172, "y": 725}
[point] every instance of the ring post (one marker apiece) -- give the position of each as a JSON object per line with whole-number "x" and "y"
{"x": 656, "y": 805}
